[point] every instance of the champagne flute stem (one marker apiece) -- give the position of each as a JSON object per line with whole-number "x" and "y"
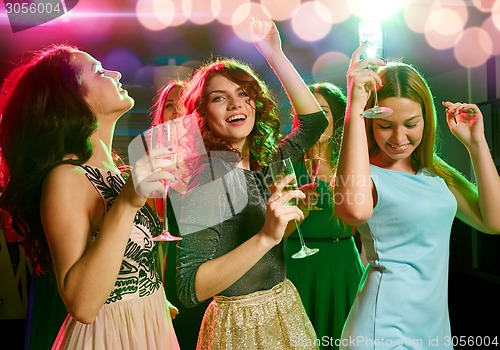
{"x": 165, "y": 219}
{"x": 299, "y": 232}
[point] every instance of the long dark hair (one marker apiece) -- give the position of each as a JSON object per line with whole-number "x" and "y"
{"x": 337, "y": 102}
{"x": 266, "y": 131}
{"x": 44, "y": 117}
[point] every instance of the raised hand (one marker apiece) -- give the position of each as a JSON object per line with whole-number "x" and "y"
{"x": 360, "y": 79}
{"x": 265, "y": 36}
{"x": 465, "y": 122}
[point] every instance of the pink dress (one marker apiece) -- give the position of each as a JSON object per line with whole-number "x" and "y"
{"x": 135, "y": 315}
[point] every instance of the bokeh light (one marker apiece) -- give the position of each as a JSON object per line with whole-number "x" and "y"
{"x": 483, "y": 5}
{"x": 312, "y": 21}
{"x": 279, "y": 12}
{"x": 150, "y": 14}
{"x": 473, "y": 48}
{"x": 339, "y": 10}
{"x": 331, "y": 66}
{"x": 201, "y": 12}
{"x": 447, "y": 19}
{"x": 159, "y": 14}
{"x": 227, "y": 9}
{"x": 416, "y": 15}
{"x": 124, "y": 61}
{"x": 494, "y": 34}
{"x": 443, "y": 28}
{"x": 179, "y": 16}
{"x": 242, "y": 15}
{"x": 495, "y": 14}
{"x": 375, "y": 9}
{"x": 144, "y": 76}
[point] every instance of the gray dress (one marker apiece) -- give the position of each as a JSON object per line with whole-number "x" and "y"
{"x": 224, "y": 207}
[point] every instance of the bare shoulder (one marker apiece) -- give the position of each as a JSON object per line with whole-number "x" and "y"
{"x": 65, "y": 179}
{"x": 63, "y": 171}
{"x": 67, "y": 187}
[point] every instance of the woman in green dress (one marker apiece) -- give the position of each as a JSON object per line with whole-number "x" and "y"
{"x": 328, "y": 280}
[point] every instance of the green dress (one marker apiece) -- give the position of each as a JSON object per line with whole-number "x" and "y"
{"x": 46, "y": 312}
{"x": 328, "y": 280}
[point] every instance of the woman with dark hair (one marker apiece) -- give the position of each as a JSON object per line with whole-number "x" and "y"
{"x": 327, "y": 282}
{"x": 232, "y": 224}
{"x": 403, "y": 198}
{"x": 76, "y": 214}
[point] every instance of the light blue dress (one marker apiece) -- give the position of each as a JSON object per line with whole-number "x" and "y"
{"x": 402, "y": 301}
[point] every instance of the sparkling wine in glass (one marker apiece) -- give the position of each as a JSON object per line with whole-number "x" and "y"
{"x": 279, "y": 170}
{"x": 370, "y": 32}
{"x": 312, "y": 162}
{"x": 164, "y": 136}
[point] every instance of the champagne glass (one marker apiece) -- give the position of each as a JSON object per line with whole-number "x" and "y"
{"x": 312, "y": 162}
{"x": 370, "y": 31}
{"x": 164, "y": 136}
{"x": 279, "y": 170}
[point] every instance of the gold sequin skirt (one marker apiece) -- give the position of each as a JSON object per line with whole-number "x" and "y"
{"x": 271, "y": 319}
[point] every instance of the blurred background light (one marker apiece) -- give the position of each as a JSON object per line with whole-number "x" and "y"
{"x": 201, "y": 12}
{"x": 489, "y": 27}
{"x": 473, "y": 48}
{"x": 155, "y": 15}
{"x": 318, "y": 24}
{"x": 331, "y": 66}
{"x": 277, "y": 11}
{"x": 124, "y": 61}
{"x": 243, "y": 14}
{"x": 227, "y": 9}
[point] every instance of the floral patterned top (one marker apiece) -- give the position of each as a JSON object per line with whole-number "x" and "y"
{"x": 138, "y": 275}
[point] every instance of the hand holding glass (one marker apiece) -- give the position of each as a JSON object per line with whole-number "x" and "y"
{"x": 279, "y": 170}
{"x": 164, "y": 136}
{"x": 370, "y": 32}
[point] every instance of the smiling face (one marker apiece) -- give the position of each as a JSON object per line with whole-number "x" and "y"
{"x": 230, "y": 111}
{"x": 104, "y": 92}
{"x": 398, "y": 135}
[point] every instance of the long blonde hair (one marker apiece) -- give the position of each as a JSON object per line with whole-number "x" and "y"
{"x": 404, "y": 80}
